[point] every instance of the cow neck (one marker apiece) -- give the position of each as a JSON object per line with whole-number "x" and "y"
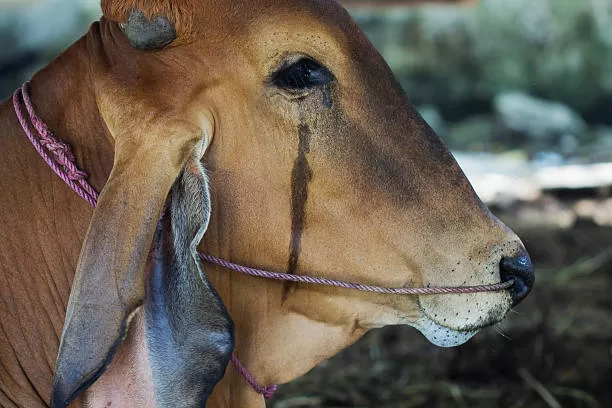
{"x": 274, "y": 339}
{"x": 46, "y": 261}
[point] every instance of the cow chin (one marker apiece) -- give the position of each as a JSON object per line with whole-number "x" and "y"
{"x": 446, "y": 329}
{"x": 440, "y": 335}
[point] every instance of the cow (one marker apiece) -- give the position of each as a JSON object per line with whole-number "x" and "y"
{"x": 269, "y": 133}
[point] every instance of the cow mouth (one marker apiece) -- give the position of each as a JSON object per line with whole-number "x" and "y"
{"x": 443, "y": 335}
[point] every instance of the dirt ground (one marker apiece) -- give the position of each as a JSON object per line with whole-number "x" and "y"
{"x": 555, "y": 350}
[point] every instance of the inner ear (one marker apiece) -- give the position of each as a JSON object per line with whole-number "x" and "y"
{"x": 189, "y": 332}
{"x": 147, "y": 35}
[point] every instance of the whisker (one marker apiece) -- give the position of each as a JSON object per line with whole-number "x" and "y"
{"x": 500, "y": 331}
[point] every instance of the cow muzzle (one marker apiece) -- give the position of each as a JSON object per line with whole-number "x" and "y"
{"x": 520, "y": 270}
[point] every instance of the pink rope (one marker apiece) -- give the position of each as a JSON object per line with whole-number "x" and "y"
{"x": 350, "y": 285}
{"x": 58, "y": 155}
{"x": 266, "y": 390}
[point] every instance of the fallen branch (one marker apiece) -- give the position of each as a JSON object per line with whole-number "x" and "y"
{"x": 539, "y": 388}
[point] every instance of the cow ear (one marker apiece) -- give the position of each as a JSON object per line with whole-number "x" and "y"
{"x": 188, "y": 330}
{"x": 108, "y": 285}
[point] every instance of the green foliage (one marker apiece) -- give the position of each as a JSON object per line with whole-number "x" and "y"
{"x": 453, "y": 56}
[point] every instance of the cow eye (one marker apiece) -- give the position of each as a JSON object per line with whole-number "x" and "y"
{"x": 302, "y": 75}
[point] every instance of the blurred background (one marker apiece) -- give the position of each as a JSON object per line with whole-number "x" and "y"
{"x": 521, "y": 91}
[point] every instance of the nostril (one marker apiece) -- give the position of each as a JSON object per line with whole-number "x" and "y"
{"x": 520, "y": 269}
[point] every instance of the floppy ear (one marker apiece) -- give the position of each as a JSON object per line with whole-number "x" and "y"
{"x": 188, "y": 330}
{"x": 150, "y": 154}
{"x": 108, "y": 284}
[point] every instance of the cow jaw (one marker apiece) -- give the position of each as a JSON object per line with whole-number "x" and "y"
{"x": 440, "y": 335}
{"x": 428, "y": 314}
{"x": 447, "y": 327}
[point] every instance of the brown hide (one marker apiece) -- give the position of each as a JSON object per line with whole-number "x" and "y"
{"x": 341, "y": 179}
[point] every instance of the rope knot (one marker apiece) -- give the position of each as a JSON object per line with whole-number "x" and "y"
{"x": 58, "y": 147}
{"x": 268, "y": 391}
{"x": 62, "y": 154}
{"x": 76, "y": 175}
{"x": 56, "y": 153}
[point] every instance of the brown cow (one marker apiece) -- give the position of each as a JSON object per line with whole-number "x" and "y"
{"x": 318, "y": 165}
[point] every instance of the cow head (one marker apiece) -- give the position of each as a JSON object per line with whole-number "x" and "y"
{"x": 319, "y": 165}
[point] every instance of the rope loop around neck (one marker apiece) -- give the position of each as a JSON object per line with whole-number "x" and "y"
{"x": 56, "y": 153}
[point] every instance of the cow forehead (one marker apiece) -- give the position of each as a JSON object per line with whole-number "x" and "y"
{"x": 217, "y": 21}
{"x": 250, "y": 10}
{"x": 269, "y": 25}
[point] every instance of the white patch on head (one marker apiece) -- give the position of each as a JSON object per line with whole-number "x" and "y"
{"x": 442, "y": 336}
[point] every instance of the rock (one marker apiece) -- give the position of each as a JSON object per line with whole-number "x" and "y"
{"x": 599, "y": 148}
{"x": 547, "y": 159}
{"x": 499, "y": 180}
{"x": 527, "y": 122}
{"x": 600, "y": 211}
{"x": 574, "y": 177}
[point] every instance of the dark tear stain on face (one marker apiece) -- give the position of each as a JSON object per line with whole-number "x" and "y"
{"x": 300, "y": 177}
{"x": 327, "y": 97}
